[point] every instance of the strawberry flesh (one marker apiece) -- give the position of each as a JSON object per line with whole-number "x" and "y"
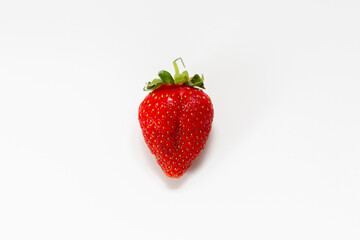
{"x": 176, "y": 122}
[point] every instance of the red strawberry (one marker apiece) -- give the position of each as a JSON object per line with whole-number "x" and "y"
{"x": 176, "y": 119}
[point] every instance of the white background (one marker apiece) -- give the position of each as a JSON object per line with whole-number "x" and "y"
{"x": 282, "y": 160}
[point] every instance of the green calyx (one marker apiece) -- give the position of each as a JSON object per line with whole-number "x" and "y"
{"x": 179, "y": 78}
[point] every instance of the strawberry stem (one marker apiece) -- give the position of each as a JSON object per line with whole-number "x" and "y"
{"x": 176, "y": 66}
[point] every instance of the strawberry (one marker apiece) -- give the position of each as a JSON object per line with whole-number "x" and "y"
{"x": 176, "y": 119}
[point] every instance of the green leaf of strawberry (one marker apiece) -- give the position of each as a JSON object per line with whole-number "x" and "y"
{"x": 197, "y": 81}
{"x": 166, "y": 77}
{"x": 154, "y": 84}
{"x": 181, "y": 78}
